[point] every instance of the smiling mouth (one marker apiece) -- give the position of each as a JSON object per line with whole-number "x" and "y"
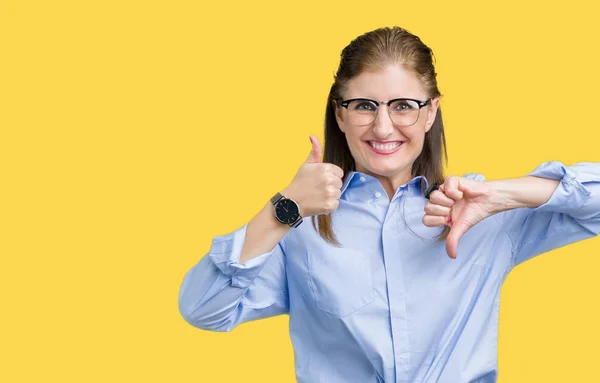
{"x": 386, "y": 147}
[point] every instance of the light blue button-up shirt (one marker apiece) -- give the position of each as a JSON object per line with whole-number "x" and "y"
{"x": 390, "y": 305}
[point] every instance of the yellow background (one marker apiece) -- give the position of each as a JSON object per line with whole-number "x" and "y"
{"x": 132, "y": 132}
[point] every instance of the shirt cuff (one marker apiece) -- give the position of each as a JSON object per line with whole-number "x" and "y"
{"x": 571, "y": 196}
{"x": 225, "y": 253}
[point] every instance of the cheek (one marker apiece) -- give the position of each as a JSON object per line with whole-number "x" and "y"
{"x": 353, "y": 139}
{"x": 416, "y": 134}
{"x": 354, "y": 146}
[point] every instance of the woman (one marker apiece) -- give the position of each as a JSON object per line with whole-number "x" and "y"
{"x": 370, "y": 293}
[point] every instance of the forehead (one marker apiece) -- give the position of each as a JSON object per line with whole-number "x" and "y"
{"x": 383, "y": 84}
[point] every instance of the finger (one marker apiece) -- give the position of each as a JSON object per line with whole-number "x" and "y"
{"x": 451, "y": 188}
{"x": 332, "y": 192}
{"x": 433, "y": 209}
{"x": 315, "y": 151}
{"x": 439, "y": 198}
{"x": 337, "y": 182}
{"x": 337, "y": 194}
{"x": 452, "y": 240}
{"x": 336, "y": 170}
{"x": 434, "y": 220}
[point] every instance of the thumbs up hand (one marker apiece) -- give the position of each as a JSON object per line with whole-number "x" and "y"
{"x": 316, "y": 152}
{"x": 316, "y": 186}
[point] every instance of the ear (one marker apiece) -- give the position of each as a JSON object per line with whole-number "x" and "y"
{"x": 432, "y": 112}
{"x": 339, "y": 113}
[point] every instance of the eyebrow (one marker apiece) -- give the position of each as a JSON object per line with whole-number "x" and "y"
{"x": 392, "y": 98}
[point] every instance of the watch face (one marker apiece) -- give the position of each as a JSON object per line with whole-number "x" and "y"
{"x": 286, "y": 211}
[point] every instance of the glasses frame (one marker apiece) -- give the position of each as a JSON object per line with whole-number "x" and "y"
{"x": 420, "y": 103}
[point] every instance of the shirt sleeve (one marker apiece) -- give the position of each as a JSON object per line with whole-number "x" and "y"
{"x": 219, "y": 293}
{"x": 571, "y": 214}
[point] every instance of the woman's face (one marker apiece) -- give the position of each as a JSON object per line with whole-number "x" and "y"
{"x": 386, "y": 161}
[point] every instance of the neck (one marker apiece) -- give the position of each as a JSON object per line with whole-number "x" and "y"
{"x": 391, "y": 183}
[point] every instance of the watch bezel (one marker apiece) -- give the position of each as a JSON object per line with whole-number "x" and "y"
{"x": 296, "y": 218}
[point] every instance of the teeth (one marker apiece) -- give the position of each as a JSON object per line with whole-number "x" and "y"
{"x": 390, "y": 146}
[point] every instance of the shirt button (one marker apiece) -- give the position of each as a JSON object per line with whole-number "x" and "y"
{"x": 377, "y": 194}
{"x": 363, "y": 179}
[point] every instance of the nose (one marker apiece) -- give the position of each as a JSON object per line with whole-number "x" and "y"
{"x": 383, "y": 125}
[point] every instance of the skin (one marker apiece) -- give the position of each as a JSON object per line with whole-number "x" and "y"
{"x": 385, "y": 84}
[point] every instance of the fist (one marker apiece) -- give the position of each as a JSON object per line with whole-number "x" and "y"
{"x": 317, "y": 185}
{"x": 460, "y": 203}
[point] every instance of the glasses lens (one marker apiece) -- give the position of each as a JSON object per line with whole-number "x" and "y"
{"x": 404, "y": 112}
{"x": 362, "y": 112}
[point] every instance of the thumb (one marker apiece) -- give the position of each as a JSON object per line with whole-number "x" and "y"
{"x": 471, "y": 192}
{"x": 456, "y": 231}
{"x": 316, "y": 151}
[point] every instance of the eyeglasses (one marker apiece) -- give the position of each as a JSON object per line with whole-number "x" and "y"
{"x": 402, "y": 111}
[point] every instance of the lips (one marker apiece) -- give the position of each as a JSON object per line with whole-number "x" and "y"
{"x": 385, "y": 147}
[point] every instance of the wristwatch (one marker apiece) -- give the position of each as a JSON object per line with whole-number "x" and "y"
{"x": 286, "y": 210}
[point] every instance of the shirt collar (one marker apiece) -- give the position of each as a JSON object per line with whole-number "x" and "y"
{"x": 347, "y": 179}
{"x": 353, "y": 176}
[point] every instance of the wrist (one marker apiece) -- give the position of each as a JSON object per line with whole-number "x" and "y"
{"x": 291, "y": 193}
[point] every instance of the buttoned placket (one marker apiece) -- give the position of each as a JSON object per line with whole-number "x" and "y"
{"x": 395, "y": 285}
{"x": 393, "y": 228}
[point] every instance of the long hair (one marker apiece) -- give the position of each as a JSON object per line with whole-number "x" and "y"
{"x": 375, "y": 50}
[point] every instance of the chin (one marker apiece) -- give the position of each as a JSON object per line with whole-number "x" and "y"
{"x": 385, "y": 171}
{"x": 390, "y": 168}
